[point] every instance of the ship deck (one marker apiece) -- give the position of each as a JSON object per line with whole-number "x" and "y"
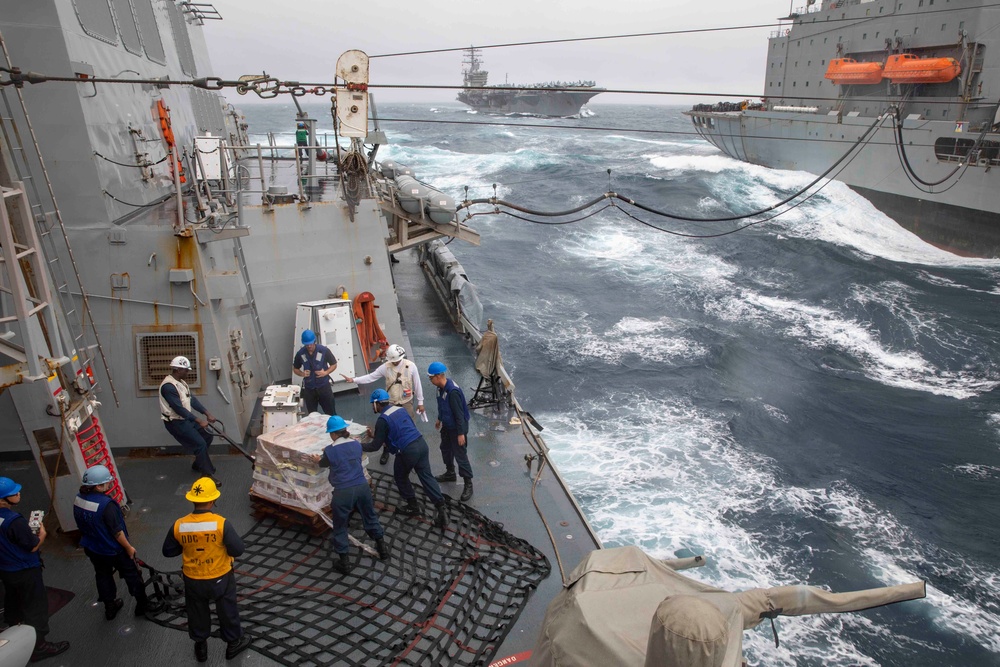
{"x": 156, "y": 486}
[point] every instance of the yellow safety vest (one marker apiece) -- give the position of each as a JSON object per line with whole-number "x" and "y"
{"x": 205, "y": 555}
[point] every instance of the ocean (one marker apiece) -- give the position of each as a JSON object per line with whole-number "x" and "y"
{"x": 811, "y": 400}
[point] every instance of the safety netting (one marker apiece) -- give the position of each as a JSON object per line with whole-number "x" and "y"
{"x": 444, "y": 598}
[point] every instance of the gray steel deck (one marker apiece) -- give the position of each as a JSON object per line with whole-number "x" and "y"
{"x": 157, "y": 485}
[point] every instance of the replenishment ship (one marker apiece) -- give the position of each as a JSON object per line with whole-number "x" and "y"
{"x": 908, "y": 91}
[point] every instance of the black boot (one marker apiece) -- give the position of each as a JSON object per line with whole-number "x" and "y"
{"x": 467, "y": 491}
{"x": 233, "y": 649}
{"x": 343, "y": 564}
{"x": 112, "y": 608}
{"x": 447, "y": 476}
{"x": 44, "y": 649}
{"x": 411, "y": 508}
{"x": 440, "y": 518}
{"x": 149, "y": 607}
{"x": 383, "y": 551}
{"x": 201, "y": 651}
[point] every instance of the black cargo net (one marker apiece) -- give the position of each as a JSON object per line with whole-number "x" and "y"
{"x": 441, "y": 600}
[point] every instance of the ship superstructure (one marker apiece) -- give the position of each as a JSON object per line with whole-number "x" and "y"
{"x": 557, "y": 98}
{"x": 923, "y": 78}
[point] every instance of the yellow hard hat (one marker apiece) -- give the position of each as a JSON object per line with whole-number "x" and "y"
{"x": 203, "y": 490}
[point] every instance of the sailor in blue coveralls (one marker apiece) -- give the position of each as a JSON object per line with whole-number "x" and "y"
{"x": 24, "y": 600}
{"x": 105, "y": 541}
{"x": 314, "y": 363}
{"x": 453, "y": 421}
{"x": 395, "y": 428}
{"x": 176, "y": 411}
{"x": 350, "y": 491}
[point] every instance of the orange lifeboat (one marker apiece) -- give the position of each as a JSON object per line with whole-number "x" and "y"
{"x": 908, "y": 68}
{"x": 843, "y": 71}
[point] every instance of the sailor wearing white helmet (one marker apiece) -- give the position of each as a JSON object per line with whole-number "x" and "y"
{"x": 402, "y": 381}
{"x": 176, "y": 410}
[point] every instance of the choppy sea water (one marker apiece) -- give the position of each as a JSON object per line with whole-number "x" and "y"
{"x": 812, "y": 400}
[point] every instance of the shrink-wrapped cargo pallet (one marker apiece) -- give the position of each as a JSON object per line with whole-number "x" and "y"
{"x": 286, "y": 472}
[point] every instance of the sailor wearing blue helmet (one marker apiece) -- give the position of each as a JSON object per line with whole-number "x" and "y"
{"x": 453, "y": 422}
{"x": 25, "y": 600}
{"x": 105, "y": 541}
{"x": 395, "y": 429}
{"x": 314, "y": 363}
{"x": 350, "y": 491}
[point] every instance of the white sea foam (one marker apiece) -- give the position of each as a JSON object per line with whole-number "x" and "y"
{"x": 669, "y": 480}
{"x": 819, "y": 327}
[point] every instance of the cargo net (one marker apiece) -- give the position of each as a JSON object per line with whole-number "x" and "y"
{"x": 441, "y": 599}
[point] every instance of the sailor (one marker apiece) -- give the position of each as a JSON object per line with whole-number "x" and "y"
{"x": 105, "y": 541}
{"x": 350, "y": 492}
{"x": 25, "y": 600}
{"x": 453, "y": 422}
{"x": 208, "y": 544}
{"x": 302, "y": 139}
{"x": 402, "y": 381}
{"x": 176, "y": 403}
{"x": 314, "y": 363}
{"x": 395, "y": 429}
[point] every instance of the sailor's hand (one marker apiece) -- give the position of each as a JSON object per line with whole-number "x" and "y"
{"x": 347, "y": 379}
{"x": 461, "y": 441}
{"x": 41, "y": 532}
{"x": 370, "y": 431}
{"x": 437, "y": 425}
{"x": 420, "y": 409}
{"x": 201, "y": 422}
{"x": 210, "y": 417}
{"x": 130, "y": 552}
{"x": 306, "y": 373}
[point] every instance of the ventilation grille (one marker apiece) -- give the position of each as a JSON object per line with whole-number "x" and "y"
{"x": 147, "y": 29}
{"x": 126, "y": 26}
{"x": 181, "y": 39}
{"x": 96, "y": 19}
{"x": 155, "y": 351}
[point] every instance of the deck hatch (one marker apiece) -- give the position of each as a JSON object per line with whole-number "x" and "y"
{"x": 154, "y": 352}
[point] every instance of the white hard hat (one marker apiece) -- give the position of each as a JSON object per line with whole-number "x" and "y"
{"x": 395, "y": 353}
{"x": 180, "y": 362}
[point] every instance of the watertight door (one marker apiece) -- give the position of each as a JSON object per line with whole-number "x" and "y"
{"x": 336, "y": 331}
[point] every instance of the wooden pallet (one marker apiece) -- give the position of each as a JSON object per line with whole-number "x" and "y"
{"x": 289, "y": 516}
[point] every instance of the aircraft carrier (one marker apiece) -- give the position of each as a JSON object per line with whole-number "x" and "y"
{"x": 921, "y": 141}
{"x": 556, "y": 99}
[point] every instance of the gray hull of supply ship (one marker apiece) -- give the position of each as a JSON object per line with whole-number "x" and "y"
{"x": 934, "y": 175}
{"x": 547, "y": 99}
{"x": 139, "y": 224}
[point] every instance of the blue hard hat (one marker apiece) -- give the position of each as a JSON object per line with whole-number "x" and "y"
{"x": 436, "y": 368}
{"x": 380, "y": 396}
{"x": 9, "y": 487}
{"x": 96, "y": 475}
{"x": 308, "y": 337}
{"x": 335, "y": 423}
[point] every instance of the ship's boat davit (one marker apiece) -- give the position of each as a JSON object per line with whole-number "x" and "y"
{"x": 843, "y": 71}
{"x": 908, "y": 68}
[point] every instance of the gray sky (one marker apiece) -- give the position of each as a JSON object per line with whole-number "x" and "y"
{"x": 302, "y": 41}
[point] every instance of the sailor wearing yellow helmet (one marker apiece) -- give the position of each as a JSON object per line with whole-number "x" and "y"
{"x": 208, "y": 543}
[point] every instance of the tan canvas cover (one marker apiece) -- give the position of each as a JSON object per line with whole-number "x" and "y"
{"x": 621, "y": 607}
{"x": 488, "y": 352}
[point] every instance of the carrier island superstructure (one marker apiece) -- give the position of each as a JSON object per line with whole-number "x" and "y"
{"x": 924, "y": 77}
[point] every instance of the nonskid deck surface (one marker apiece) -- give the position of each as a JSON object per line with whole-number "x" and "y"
{"x": 444, "y": 597}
